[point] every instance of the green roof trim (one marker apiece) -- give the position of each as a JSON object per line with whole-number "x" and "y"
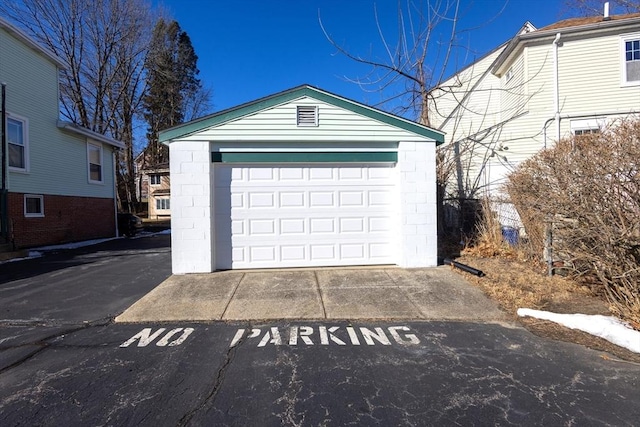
{"x": 305, "y": 157}
{"x": 249, "y": 108}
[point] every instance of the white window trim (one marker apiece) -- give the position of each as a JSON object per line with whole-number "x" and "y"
{"x": 623, "y": 61}
{"x": 587, "y": 124}
{"x": 25, "y": 134}
{"x": 158, "y": 199}
{"x": 151, "y": 176}
{"x": 34, "y": 215}
{"x": 99, "y": 147}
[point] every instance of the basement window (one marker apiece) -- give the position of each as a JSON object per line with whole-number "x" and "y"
{"x": 33, "y": 206}
{"x": 307, "y": 115}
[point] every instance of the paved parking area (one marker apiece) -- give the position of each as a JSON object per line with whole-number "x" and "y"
{"x": 333, "y": 293}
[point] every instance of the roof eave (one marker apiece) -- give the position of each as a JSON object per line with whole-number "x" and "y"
{"x": 540, "y": 35}
{"x": 72, "y": 127}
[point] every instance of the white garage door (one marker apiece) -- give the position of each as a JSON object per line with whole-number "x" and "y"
{"x": 304, "y": 215}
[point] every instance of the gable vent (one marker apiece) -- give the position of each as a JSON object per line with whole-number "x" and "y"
{"x": 307, "y": 115}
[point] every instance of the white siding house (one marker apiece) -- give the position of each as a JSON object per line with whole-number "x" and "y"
{"x": 302, "y": 178}
{"x": 573, "y": 76}
{"x": 59, "y": 177}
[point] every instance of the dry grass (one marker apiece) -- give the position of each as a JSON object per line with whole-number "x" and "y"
{"x": 515, "y": 279}
{"x": 514, "y": 284}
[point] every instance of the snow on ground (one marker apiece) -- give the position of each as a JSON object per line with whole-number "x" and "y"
{"x": 74, "y": 245}
{"x": 607, "y": 327}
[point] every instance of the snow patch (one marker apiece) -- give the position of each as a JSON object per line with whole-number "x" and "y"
{"x": 608, "y": 327}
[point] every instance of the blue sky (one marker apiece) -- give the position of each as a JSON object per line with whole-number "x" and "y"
{"x": 248, "y": 49}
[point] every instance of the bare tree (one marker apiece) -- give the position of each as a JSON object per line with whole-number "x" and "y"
{"x": 103, "y": 44}
{"x": 595, "y": 7}
{"x": 429, "y": 44}
{"x": 421, "y": 75}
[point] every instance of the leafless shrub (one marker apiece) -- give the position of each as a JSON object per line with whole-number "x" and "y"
{"x": 588, "y": 187}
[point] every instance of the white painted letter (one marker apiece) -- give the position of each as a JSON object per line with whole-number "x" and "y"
{"x": 304, "y": 331}
{"x": 324, "y": 336}
{"x": 411, "y": 338}
{"x": 144, "y": 337}
{"x": 353, "y": 336}
{"x": 236, "y": 337}
{"x": 254, "y": 333}
{"x": 275, "y": 333}
{"x": 368, "y": 336}
{"x": 165, "y": 340}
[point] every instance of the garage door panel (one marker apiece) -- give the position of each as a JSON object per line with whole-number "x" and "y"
{"x": 261, "y": 200}
{"x": 262, "y": 254}
{"x": 351, "y": 198}
{"x": 321, "y": 174}
{"x": 379, "y": 224}
{"x": 293, "y": 253}
{"x": 322, "y": 225}
{"x": 303, "y": 216}
{"x": 262, "y": 227}
{"x": 292, "y": 199}
{"x": 291, "y": 226}
{"x": 322, "y": 199}
{"x": 352, "y": 225}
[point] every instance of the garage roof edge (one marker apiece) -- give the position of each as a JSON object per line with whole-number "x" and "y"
{"x": 194, "y": 126}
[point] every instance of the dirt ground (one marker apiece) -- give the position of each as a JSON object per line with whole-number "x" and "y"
{"x": 517, "y": 284}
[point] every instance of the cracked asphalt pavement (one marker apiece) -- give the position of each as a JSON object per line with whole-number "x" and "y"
{"x": 64, "y": 362}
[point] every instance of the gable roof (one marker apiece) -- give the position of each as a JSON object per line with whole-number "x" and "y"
{"x": 194, "y": 126}
{"x": 586, "y": 20}
{"x": 20, "y": 35}
{"x": 583, "y": 25}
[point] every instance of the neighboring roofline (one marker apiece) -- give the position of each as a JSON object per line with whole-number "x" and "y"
{"x": 516, "y": 42}
{"x": 90, "y": 134}
{"x": 177, "y": 132}
{"x": 24, "y": 38}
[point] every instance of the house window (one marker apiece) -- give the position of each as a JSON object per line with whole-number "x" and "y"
{"x": 508, "y": 75}
{"x": 582, "y": 127}
{"x": 154, "y": 179}
{"x": 94, "y": 155}
{"x": 307, "y": 115}
{"x": 631, "y": 60}
{"x": 162, "y": 204}
{"x": 33, "y": 206}
{"x": 580, "y": 132}
{"x": 18, "y": 143}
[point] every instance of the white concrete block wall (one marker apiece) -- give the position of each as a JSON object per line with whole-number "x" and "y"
{"x": 418, "y": 211}
{"x": 191, "y": 218}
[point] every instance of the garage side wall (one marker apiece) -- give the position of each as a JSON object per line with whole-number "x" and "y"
{"x": 191, "y": 213}
{"x": 418, "y": 230}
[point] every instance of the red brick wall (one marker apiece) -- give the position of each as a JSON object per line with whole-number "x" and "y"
{"x": 66, "y": 219}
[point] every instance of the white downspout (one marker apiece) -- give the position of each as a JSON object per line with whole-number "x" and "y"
{"x": 556, "y": 85}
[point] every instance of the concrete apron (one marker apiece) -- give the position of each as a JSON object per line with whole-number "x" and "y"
{"x": 333, "y": 293}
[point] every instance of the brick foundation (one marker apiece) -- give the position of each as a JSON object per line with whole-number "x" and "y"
{"x": 66, "y": 219}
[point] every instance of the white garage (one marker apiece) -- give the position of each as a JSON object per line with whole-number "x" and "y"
{"x": 302, "y": 178}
